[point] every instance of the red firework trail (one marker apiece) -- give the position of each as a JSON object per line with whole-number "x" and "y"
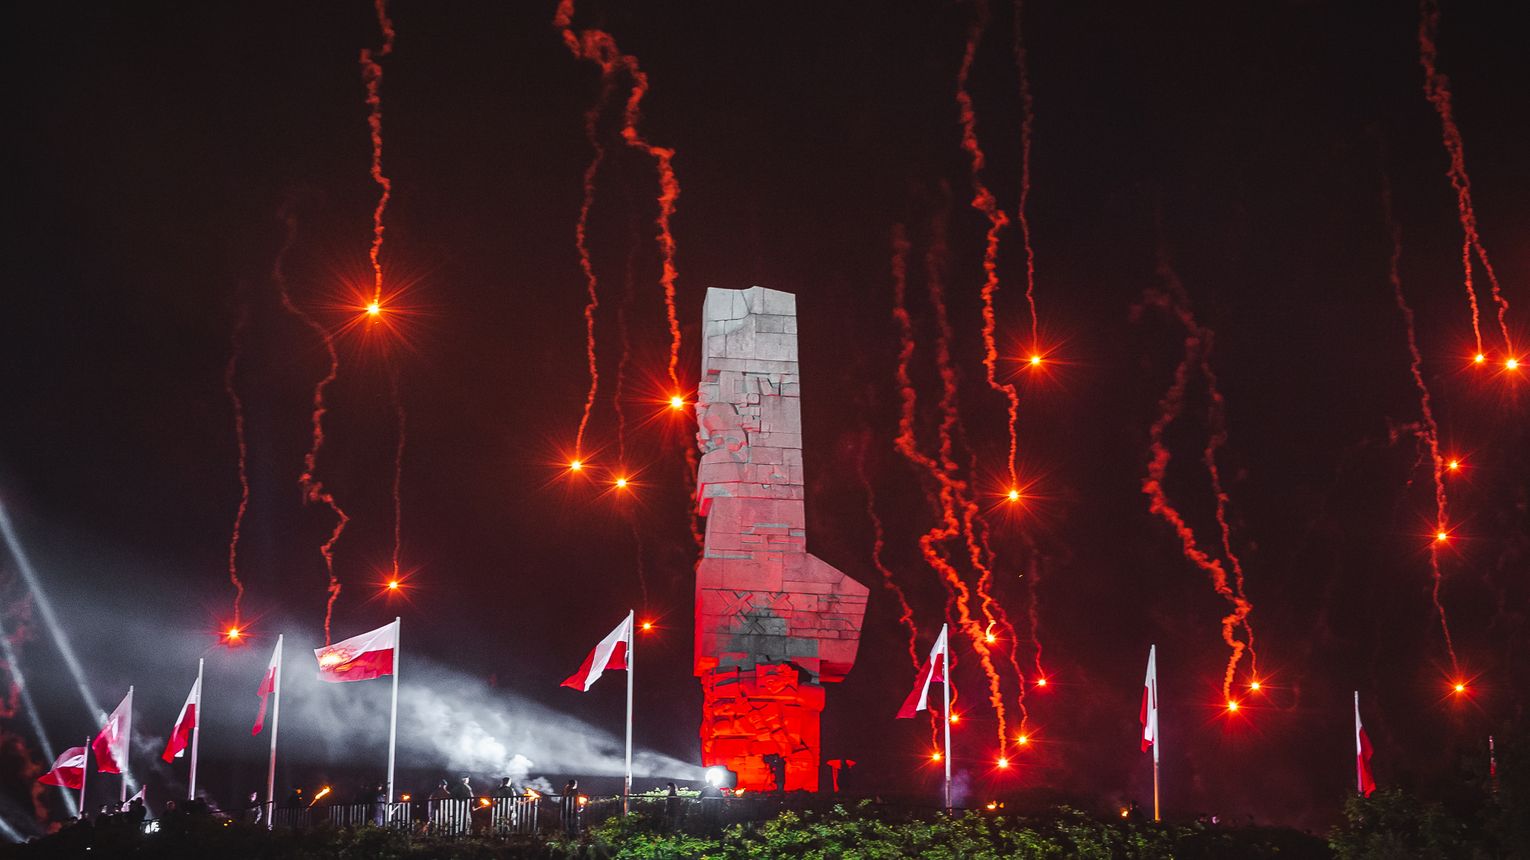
{"x": 1027, "y": 128}
{"x": 229, "y": 372}
{"x": 581, "y": 241}
{"x": 1197, "y": 347}
{"x": 907, "y": 444}
{"x": 1437, "y": 90}
{"x": 1215, "y": 440}
{"x": 402, "y": 419}
{"x": 983, "y": 200}
{"x": 313, "y": 489}
{"x": 1430, "y": 432}
{"x": 878, "y": 545}
{"x": 599, "y": 47}
{"x": 371, "y": 75}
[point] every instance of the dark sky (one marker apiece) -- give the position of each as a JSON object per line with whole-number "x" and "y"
{"x": 153, "y": 146}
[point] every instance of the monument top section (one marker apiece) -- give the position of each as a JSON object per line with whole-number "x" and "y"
{"x": 753, "y": 330}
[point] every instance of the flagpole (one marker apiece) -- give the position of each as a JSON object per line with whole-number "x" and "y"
{"x": 276, "y": 718}
{"x": 84, "y": 771}
{"x": 393, "y": 719}
{"x": 1157, "y": 740}
{"x": 196, "y": 734}
{"x": 1359, "y": 763}
{"x": 127, "y": 750}
{"x": 945, "y": 657}
{"x": 627, "y": 785}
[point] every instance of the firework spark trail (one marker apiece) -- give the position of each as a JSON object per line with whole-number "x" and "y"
{"x": 1437, "y": 90}
{"x": 313, "y": 489}
{"x": 581, "y": 241}
{"x": 959, "y": 596}
{"x": 1027, "y": 128}
{"x": 1429, "y": 431}
{"x": 984, "y": 201}
{"x": 1197, "y": 347}
{"x": 879, "y": 545}
{"x": 599, "y": 47}
{"x": 1033, "y": 604}
{"x": 229, "y": 372}
{"x": 371, "y": 75}
{"x": 1215, "y": 440}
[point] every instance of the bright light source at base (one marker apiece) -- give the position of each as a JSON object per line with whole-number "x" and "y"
{"x": 716, "y": 776}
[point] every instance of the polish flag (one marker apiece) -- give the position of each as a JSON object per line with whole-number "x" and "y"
{"x": 267, "y": 687}
{"x": 180, "y": 736}
{"x": 611, "y": 653}
{"x": 1149, "y": 715}
{"x": 359, "y": 658}
{"x": 111, "y": 745}
{"x": 68, "y": 771}
{"x": 1364, "y": 782}
{"x": 933, "y": 670}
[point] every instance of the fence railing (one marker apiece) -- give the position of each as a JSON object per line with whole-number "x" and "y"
{"x": 498, "y": 816}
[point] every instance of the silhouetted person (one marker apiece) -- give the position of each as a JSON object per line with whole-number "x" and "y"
{"x": 295, "y": 800}
{"x": 462, "y": 790}
{"x": 504, "y": 789}
{"x": 568, "y": 808}
{"x": 777, "y": 764}
{"x": 135, "y": 814}
{"x": 671, "y": 806}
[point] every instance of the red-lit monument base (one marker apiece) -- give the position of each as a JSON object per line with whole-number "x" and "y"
{"x": 748, "y": 715}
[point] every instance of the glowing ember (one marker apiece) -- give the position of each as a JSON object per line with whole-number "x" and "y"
{"x": 1023, "y": 740}
{"x": 575, "y": 465}
{"x": 1014, "y": 495}
{"x": 1512, "y": 364}
{"x": 1041, "y": 682}
{"x": 1441, "y": 537}
{"x": 393, "y": 585}
{"x": 1453, "y": 465}
{"x": 234, "y": 634}
{"x": 1232, "y": 706}
{"x": 1035, "y": 360}
{"x": 1254, "y": 685}
{"x": 1460, "y": 688}
{"x": 677, "y": 402}
{"x": 956, "y": 718}
{"x": 621, "y": 483}
{"x": 1003, "y": 762}
{"x": 1479, "y": 358}
{"x": 647, "y": 625}
{"x": 332, "y": 658}
{"x": 935, "y": 756}
{"x": 374, "y": 309}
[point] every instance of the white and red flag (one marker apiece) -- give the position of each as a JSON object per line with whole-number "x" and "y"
{"x": 611, "y": 653}
{"x": 180, "y": 736}
{"x": 268, "y": 686}
{"x": 111, "y": 744}
{"x": 359, "y": 658}
{"x": 933, "y": 671}
{"x": 1149, "y": 716}
{"x": 68, "y": 771}
{"x": 1363, "y": 780}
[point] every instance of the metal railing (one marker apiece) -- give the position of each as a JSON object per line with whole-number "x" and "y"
{"x": 494, "y": 816}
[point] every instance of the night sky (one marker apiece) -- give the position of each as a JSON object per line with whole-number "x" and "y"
{"x": 156, "y": 149}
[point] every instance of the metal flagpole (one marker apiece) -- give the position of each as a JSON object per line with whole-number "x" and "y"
{"x": 1359, "y": 756}
{"x": 1153, "y": 717}
{"x": 84, "y": 771}
{"x": 196, "y": 735}
{"x": 627, "y": 785}
{"x": 393, "y": 720}
{"x": 127, "y": 750}
{"x": 276, "y": 717}
{"x": 945, "y": 658}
